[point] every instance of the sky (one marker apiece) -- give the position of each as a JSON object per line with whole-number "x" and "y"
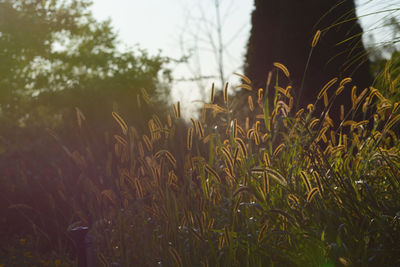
{"x": 177, "y": 28}
{"x": 182, "y": 27}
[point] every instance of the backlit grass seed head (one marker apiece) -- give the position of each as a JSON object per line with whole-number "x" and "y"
{"x": 250, "y": 101}
{"x": 339, "y": 90}
{"x": 212, "y": 172}
{"x": 326, "y": 102}
{"x": 313, "y": 123}
{"x": 201, "y": 129}
{"x": 276, "y": 176}
{"x": 360, "y": 97}
{"x": 278, "y": 149}
{"x": 310, "y": 107}
{"x": 333, "y": 137}
{"x": 243, "y": 77}
{"x": 294, "y": 199}
{"x": 175, "y": 255}
{"x": 203, "y": 114}
{"x": 194, "y": 125}
{"x": 260, "y": 95}
{"x": 341, "y": 112}
{"x": 298, "y": 113}
{"x": 121, "y": 140}
{"x": 226, "y": 93}
{"x": 345, "y": 81}
{"x": 212, "y": 94}
{"x": 250, "y": 133}
{"x": 243, "y": 86}
{"x": 261, "y": 232}
{"x": 306, "y": 180}
{"x": 175, "y": 110}
{"x": 326, "y": 87}
{"x": 228, "y": 156}
{"x": 266, "y": 159}
{"x": 392, "y": 122}
{"x": 234, "y": 128}
{"x": 269, "y": 79}
{"x": 121, "y": 122}
{"x": 147, "y": 142}
{"x": 145, "y": 96}
{"x": 189, "y": 138}
{"x": 282, "y": 68}
{"x": 316, "y": 38}
{"x": 311, "y": 194}
{"x": 256, "y": 138}
{"x": 265, "y": 137}
{"x": 396, "y": 107}
{"x": 242, "y": 146}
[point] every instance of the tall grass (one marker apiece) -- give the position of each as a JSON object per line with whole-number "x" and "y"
{"x": 288, "y": 190}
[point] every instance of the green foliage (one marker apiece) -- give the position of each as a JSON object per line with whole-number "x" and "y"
{"x": 55, "y": 56}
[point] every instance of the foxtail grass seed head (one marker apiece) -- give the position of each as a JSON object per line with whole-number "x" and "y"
{"x": 226, "y": 93}
{"x": 345, "y": 81}
{"x": 175, "y": 110}
{"x": 189, "y": 138}
{"x": 306, "y": 181}
{"x": 339, "y": 90}
{"x": 250, "y": 101}
{"x": 212, "y": 93}
{"x": 243, "y": 86}
{"x": 121, "y": 122}
{"x": 256, "y": 138}
{"x": 279, "y": 149}
{"x": 298, "y": 113}
{"x": 194, "y": 125}
{"x": 311, "y": 194}
{"x": 282, "y": 68}
{"x": 326, "y": 87}
{"x": 396, "y": 107}
{"x": 242, "y": 146}
{"x": 316, "y": 38}
{"x": 169, "y": 120}
{"x": 203, "y": 114}
{"x": 341, "y": 112}
{"x": 234, "y": 128}
{"x": 243, "y": 77}
{"x": 147, "y": 142}
{"x": 326, "y": 102}
{"x": 269, "y": 79}
{"x": 266, "y": 159}
{"x": 201, "y": 129}
{"x": 260, "y": 94}
{"x": 178, "y": 109}
{"x": 145, "y": 96}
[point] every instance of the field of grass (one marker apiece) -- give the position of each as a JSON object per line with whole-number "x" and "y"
{"x": 283, "y": 188}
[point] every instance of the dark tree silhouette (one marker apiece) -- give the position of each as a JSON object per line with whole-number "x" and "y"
{"x": 282, "y": 31}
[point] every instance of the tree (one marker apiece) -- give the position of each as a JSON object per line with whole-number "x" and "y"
{"x": 55, "y": 56}
{"x": 282, "y": 31}
{"x": 205, "y": 36}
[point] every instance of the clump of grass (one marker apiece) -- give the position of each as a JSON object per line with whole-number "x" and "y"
{"x": 286, "y": 187}
{"x": 293, "y": 190}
